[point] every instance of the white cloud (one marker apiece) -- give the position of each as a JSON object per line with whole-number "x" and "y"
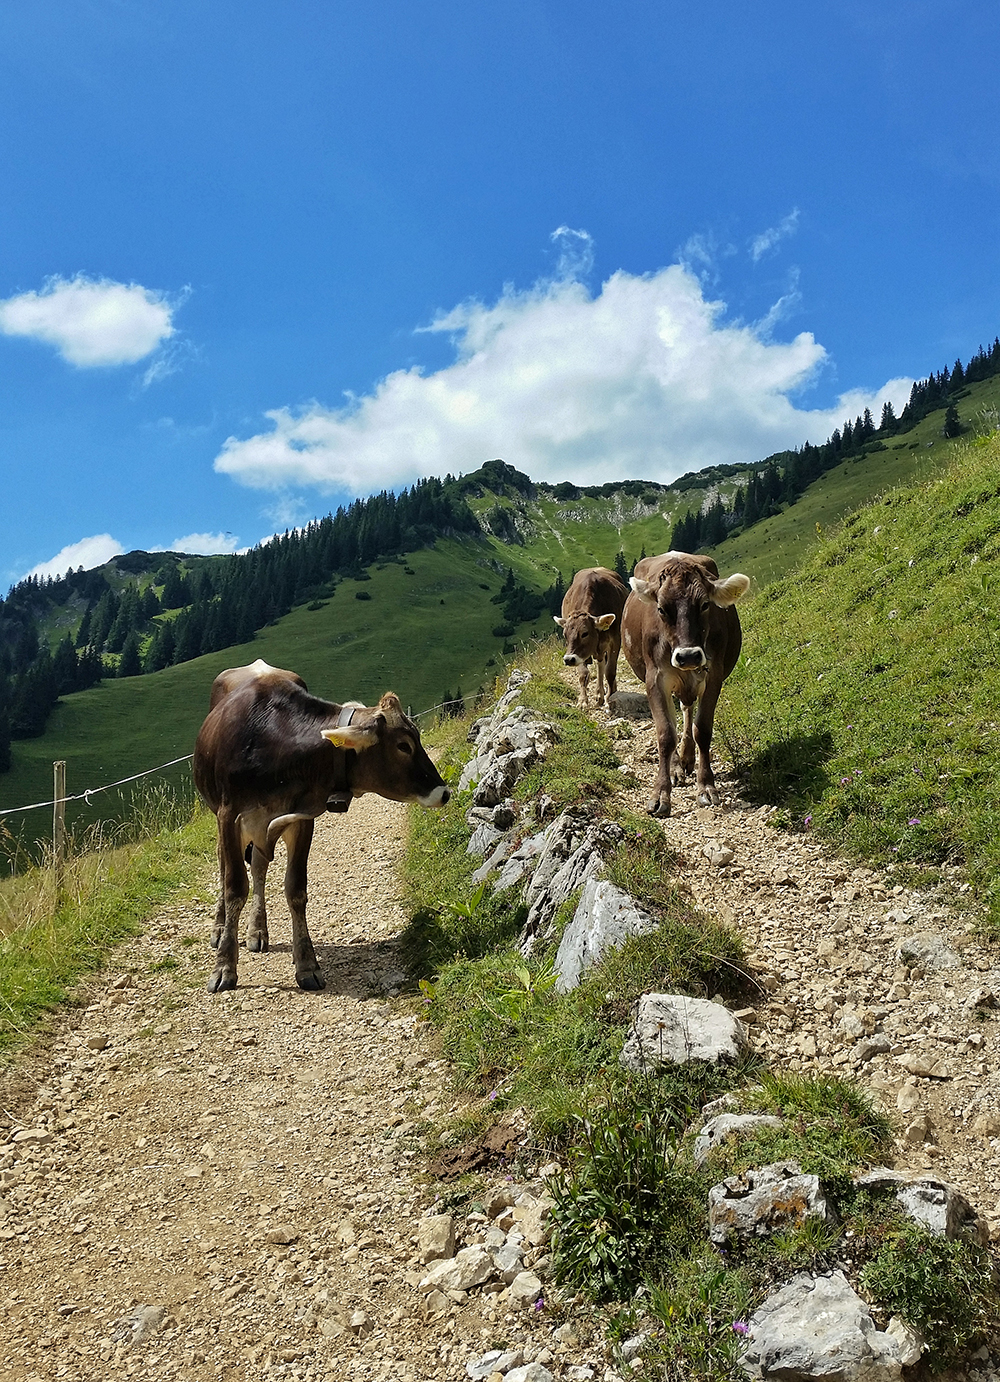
{"x": 644, "y": 379}
{"x": 767, "y": 240}
{"x": 88, "y": 552}
{"x": 205, "y": 544}
{"x": 576, "y": 252}
{"x": 90, "y": 321}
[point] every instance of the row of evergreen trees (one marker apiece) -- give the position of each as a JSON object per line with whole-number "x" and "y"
{"x": 222, "y": 601}
{"x": 783, "y": 477}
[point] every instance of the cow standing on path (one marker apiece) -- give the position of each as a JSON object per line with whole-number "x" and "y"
{"x": 682, "y": 638}
{"x": 592, "y": 625}
{"x": 269, "y": 759}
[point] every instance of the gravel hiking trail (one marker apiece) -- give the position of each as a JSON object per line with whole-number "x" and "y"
{"x": 203, "y": 1187}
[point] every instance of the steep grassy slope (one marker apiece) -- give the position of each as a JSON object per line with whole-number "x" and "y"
{"x": 866, "y": 700}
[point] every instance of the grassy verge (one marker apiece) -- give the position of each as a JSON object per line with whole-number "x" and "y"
{"x": 48, "y": 943}
{"x": 631, "y": 1226}
{"x": 865, "y": 703}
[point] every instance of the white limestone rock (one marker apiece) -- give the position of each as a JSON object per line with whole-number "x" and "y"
{"x": 604, "y": 919}
{"x": 670, "y": 1029}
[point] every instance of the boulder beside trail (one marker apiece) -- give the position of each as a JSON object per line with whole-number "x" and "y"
{"x": 670, "y": 1029}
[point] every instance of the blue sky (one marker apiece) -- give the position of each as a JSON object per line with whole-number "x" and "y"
{"x": 257, "y": 259}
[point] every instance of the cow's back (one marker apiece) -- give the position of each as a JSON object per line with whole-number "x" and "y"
{"x": 260, "y": 671}
{"x": 595, "y": 590}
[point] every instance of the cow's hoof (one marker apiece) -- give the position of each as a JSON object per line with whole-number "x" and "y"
{"x": 312, "y": 981}
{"x": 257, "y": 942}
{"x": 708, "y": 796}
{"x": 659, "y": 806}
{"x": 222, "y": 980}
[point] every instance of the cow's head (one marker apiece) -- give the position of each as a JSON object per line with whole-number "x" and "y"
{"x": 391, "y": 761}
{"x": 583, "y": 635}
{"x": 685, "y": 598}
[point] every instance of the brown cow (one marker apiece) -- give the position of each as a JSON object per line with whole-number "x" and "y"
{"x": 592, "y": 624}
{"x": 682, "y": 637}
{"x": 269, "y": 759}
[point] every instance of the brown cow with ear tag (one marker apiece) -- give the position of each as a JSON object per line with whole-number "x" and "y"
{"x": 270, "y": 759}
{"x": 682, "y": 638}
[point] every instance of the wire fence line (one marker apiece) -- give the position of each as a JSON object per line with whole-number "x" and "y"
{"x": 148, "y": 772}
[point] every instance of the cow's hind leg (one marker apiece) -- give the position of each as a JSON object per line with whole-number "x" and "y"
{"x": 298, "y": 838}
{"x": 219, "y": 921}
{"x": 235, "y": 889}
{"x": 257, "y": 938}
{"x": 682, "y": 762}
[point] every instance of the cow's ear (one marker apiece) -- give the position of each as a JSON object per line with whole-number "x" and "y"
{"x": 556, "y": 620}
{"x": 357, "y": 737}
{"x": 643, "y": 589}
{"x": 604, "y": 621}
{"x": 730, "y": 590}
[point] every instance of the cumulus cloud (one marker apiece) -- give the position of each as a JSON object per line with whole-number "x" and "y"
{"x": 91, "y": 322}
{"x": 767, "y": 240}
{"x": 205, "y": 544}
{"x": 88, "y": 553}
{"x": 644, "y": 379}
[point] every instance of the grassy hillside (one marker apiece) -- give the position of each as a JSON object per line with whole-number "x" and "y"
{"x": 866, "y": 700}
{"x": 418, "y": 635}
{"x": 425, "y": 634}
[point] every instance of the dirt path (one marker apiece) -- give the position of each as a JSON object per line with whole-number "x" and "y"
{"x": 234, "y": 1173}
{"x": 238, "y": 1162}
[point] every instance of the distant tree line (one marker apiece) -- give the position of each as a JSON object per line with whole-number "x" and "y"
{"x": 780, "y": 479}
{"x": 215, "y": 603}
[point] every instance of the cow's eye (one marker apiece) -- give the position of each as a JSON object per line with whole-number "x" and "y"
{"x": 705, "y": 604}
{"x": 406, "y": 747}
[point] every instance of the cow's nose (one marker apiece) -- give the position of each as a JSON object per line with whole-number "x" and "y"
{"x": 445, "y": 796}
{"x": 686, "y": 658}
{"x": 570, "y": 660}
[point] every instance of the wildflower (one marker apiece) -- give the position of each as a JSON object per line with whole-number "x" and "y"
{"x": 807, "y": 821}
{"x": 539, "y": 1303}
{"x": 740, "y": 1327}
{"x": 494, "y": 1095}
{"x": 843, "y": 780}
{"x": 914, "y": 820}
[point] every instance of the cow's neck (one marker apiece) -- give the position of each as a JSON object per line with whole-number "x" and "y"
{"x": 341, "y": 797}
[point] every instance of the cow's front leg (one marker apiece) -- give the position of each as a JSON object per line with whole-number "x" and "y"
{"x": 235, "y": 889}
{"x": 708, "y": 794}
{"x": 682, "y": 762}
{"x": 583, "y": 700}
{"x": 661, "y": 707}
{"x": 257, "y": 937}
{"x": 298, "y": 838}
{"x": 599, "y": 662}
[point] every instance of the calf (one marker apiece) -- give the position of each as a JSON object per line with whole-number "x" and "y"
{"x": 269, "y": 759}
{"x": 592, "y": 624}
{"x": 682, "y": 637}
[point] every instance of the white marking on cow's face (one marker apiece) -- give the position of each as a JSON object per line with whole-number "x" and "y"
{"x": 438, "y": 797}
{"x": 571, "y": 660}
{"x": 688, "y": 659}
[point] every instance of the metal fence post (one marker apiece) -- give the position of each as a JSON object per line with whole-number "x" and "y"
{"x": 59, "y": 823}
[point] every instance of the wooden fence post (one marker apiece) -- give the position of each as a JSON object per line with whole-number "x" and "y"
{"x": 59, "y": 824}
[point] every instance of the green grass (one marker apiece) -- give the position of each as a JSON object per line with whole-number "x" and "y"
{"x": 865, "y": 701}
{"x": 47, "y": 947}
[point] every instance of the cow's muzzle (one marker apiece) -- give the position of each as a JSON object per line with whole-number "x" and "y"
{"x": 688, "y": 659}
{"x": 440, "y": 796}
{"x": 571, "y": 660}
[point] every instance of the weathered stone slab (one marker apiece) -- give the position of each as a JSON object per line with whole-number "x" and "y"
{"x": 818, "y": 1329}
{"x": 468, "y": 1268}
{"x": 930, "y": 1202}
{"x": 728, "y": 1125}
{"x": 604, "y": 919}
{"x": 669, "y": 1029}
{"x": 928, "y": 951}
{"x": 765, "y": 1200}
